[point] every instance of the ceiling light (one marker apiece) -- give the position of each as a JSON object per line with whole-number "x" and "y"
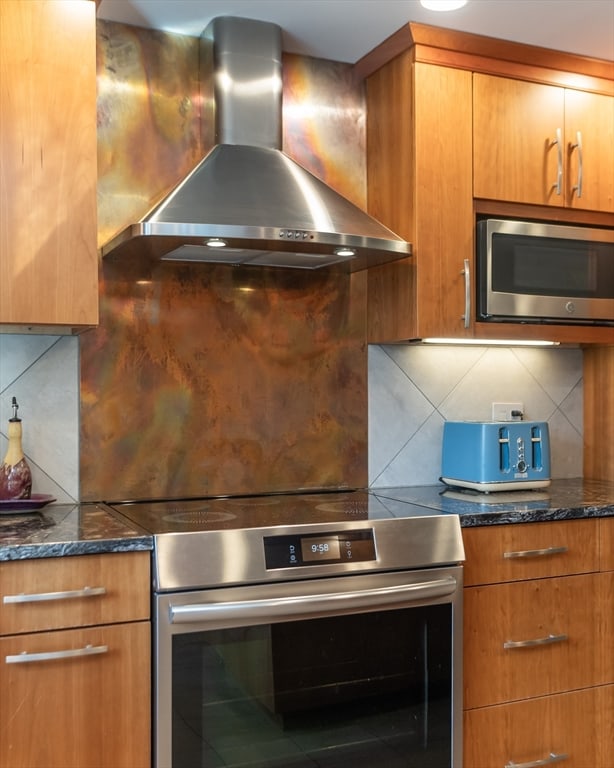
{"x": 442, "y": 5}
{"x": 494, "y": 342}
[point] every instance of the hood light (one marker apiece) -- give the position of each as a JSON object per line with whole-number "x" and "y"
{"x": 346, "y": 253}
{"x": 216, "y": 242}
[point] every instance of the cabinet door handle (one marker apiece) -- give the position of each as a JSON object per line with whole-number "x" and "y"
{"x": 558, "y": 184}
{"x": 467, "y": 273}
{"x": 537, "y": 641}
{"x": 578, "y": 145}
{"x": 552, "y": 758}
{"x": 25, "y": 657}
{"x": 70, "y": 594}
{"x": 535, "y": 552}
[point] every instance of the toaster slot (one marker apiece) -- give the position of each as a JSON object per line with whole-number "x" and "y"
{"x": 536, "y": 448}
{"x": 504, "y": 449}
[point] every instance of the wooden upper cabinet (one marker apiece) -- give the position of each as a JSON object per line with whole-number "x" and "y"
{"x": 542, "y": 144}
{"x": 589, "y": 132}
{"x": 48, "y": 256}
{"x": 419, "y": 184}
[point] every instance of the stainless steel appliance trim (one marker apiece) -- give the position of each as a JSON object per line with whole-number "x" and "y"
{"x": 236, "y": 556}
{"x": 303, "y": 606}
{"x": 500, "y": 304}
{"x": 165, "y": 630}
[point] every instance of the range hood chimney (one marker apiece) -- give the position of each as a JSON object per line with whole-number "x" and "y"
{"x": 247, "y": 202}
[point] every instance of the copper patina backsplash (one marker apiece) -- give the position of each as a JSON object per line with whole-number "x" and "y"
{"x": 206, "y": 379}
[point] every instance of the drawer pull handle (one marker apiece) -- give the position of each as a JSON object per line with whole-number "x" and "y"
{"x": 25, "y": 657}
{"x": 536, "y": 552}
{"x": 537, "y": 641}
{"x": 70, "y": 594}
{"x": 552, "y": 758}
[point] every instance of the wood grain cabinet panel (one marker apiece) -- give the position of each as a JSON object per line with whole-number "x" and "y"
{"x": 75, "y": 662}
{"x": 72, "y": 587}
{"x": 419, "y": 184}
{"x": 528, "y": 701}
{"x": 88, "y": 711}
{"x": 48, "y": 255}
{"x": 542, "y": 144}
{"x": 526, "y": 732}
{"x": 530, "y": 638}
{"x": 529, "y": 551}
{"x": 606, "y": 544}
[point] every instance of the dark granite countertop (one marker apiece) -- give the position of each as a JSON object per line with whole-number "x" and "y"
{"x": 59, "y": 530}
{"x": 567, "y": 499}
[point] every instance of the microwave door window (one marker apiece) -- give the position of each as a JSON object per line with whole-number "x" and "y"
{"x": 545, "y": 270}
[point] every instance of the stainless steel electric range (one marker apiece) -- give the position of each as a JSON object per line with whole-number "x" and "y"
{"x": 302, "y": 630}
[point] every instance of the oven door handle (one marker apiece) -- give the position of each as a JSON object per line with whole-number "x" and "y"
{"x": 307, "y": 606}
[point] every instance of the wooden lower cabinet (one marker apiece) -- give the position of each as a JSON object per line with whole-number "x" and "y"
{"x": 76, "y": 711}
{"x": 75, "y": 662}
{"x": 578, "y": 724}
{"x": 538, "y": 656}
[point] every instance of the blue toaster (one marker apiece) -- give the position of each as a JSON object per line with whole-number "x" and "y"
{"x": 496, "y": 455}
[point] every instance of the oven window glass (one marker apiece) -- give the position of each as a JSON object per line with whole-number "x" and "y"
{"x": 552, "y": 267}
{"x": 354, "y": 691}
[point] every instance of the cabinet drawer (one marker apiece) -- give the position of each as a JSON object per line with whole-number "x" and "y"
{"x": 533, "y": 638}
{"x": 576, "y": 724}
{"x": 530, "y": 551}
{"x": 606, "y": 544}
{"x": 77, "y": 708}
{"x": 59, "y": 592}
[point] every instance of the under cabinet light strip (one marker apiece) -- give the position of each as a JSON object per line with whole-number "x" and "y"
{"x": 494, "y": 342}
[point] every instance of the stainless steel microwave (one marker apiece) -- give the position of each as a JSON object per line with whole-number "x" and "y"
{"x": 532, "y": 272}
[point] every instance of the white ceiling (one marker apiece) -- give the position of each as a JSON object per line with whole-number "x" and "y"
{"x": 345, "y": 30}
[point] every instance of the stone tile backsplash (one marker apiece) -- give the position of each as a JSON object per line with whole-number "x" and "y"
{"x": 414, "y": 389}
{"x": 42, "y": 372}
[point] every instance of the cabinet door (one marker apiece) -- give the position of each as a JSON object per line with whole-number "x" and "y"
{"x": 76, "y": 711}
{"x": 589, "y": 134}
{"x": 516, "y": 153}
{"x": 63, "y": 592}
{"x": 48, "y": 257}
{"x": 519, "y": 552}
{"x": 532, "y": 638}
{"x": 570, "y": 724}
{"x": 419, "y": 184}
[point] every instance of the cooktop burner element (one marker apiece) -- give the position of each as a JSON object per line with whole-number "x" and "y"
{"x": 280, "y": 537}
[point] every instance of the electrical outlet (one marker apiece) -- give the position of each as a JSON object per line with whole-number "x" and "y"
{"x": 507, "y": 411}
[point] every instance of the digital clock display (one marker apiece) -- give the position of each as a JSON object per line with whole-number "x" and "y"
{"x": 321, "y": 548}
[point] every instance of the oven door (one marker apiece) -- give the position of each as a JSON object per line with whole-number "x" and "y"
{"x": 354, "y": 671}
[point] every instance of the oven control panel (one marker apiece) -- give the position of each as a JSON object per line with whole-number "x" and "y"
{"x": 318, "y": 548}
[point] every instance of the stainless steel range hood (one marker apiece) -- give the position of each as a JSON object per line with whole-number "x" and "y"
{"x": 247, "y": 202}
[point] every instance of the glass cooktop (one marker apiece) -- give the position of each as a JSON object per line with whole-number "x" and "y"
{"x": 237, "y": 512}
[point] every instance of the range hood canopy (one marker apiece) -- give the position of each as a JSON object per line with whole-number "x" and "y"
{"x": 247, "y": 202}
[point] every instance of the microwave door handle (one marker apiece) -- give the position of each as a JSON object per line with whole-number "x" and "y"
{"x": 578, "y": 145}
{"x": 558, "y": 184}
{"x": 467, "y": 273}
{"x": 307, "y": 606}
